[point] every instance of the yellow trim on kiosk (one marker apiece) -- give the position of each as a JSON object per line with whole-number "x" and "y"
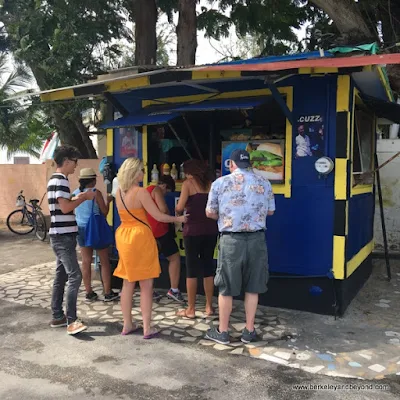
{"x": 339, "y": 245}
{"x": 110, "y": 143}
{"x": 126, "y": 84}
{"x": 339, "y": 242}
{"x": 145, "y": 156}
{"x": 282, "y": 189}
{"x": 359, "y": 258}
{"x": 385, "y": 83}
{"x": 359, "y": 189}
{"x": 202, "y": 74}
{"x": 110, "y": 153}
{"x": 57, "y": 95}
{"x": 340, "y": 178}
{"x": 318, "y": 70}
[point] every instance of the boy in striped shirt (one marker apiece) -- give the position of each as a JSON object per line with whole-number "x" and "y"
{"x": 63, "y": 233}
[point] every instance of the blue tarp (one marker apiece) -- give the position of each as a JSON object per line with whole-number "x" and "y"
{"x": 273, "y": 59}
{"x": 150, "y": 117}
{"x": 237, "y": 104}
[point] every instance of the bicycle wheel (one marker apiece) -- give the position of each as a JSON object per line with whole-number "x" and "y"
{"x": 20, "y": 222}
{"x": 41, "y": 228}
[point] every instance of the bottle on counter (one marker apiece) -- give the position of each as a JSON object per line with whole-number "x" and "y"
{"x": 154, "y": 174}
{"x": 165, "y": 169}
{"x": 182, "y": 173}
{"x": 174, "y": 172}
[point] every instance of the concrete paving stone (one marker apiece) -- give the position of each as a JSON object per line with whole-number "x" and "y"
{"x": 202, "y": 327}
{"x": 239, "y": 327}
{"x": 235, "y": 344}
{"x": 283, "y": 354}
{"x": 392, "y": 334}
{"x": 206, "y": 342}
{"x": 166, "y": 322}
{"x": 188, "y": 339}
{"x": 255, "y": 352}
{"x": 277, "y": 360}
{"x": 382, "y": 305}
{"x": 303, "y": 356}
{"x": 158, "y": 317}
{"x": 377, "y": 368}
{"x": 237, "y": 351}
{"x": 325, "y": 357}
{"x": 170, "y": 313}
{"x": 186, "y": 322}
{"x": 164, "y": 309}
{"x": 195, "y": 333}
{"x": 221, "y": 347}
{"x": 178, "y": 335}
{"x": 355, "y": 364}
{"x": 176, "y": 329}
{"x": 269, "y": 336}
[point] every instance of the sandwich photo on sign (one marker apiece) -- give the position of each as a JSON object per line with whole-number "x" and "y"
{"x": 267, "y": 159}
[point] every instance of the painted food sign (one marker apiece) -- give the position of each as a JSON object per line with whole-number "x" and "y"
{"x": 266, "y": 156}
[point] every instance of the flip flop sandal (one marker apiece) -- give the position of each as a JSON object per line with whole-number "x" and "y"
{"x": 210, "y": 314}
{"x": 133, "y": 330}
{"x": 151, "y": 335}
{"x": 183, "y": 314}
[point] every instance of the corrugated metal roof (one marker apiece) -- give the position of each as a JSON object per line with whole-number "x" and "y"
{"x": 272, "y": 59}
{"x": 328, "y": 62}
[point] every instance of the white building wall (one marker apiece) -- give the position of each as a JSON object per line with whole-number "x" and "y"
{"x": 5, "y": 160}
{"x": 390, "y": 180}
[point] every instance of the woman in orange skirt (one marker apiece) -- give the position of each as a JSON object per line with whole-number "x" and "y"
{"x": 137, "y": 248}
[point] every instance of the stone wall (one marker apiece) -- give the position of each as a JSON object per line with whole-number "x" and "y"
{"x": 32, "y": 179}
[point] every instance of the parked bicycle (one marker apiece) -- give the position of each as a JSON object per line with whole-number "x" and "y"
{"x": 27, "y": 219}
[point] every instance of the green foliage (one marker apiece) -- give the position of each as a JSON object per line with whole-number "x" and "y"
{"x": 21, "y": 128}
{"x": 60, "y": 40}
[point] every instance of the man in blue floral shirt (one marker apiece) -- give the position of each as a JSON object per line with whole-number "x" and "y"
{"x": 241, "y": 203}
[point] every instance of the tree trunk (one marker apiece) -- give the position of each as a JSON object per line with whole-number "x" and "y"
{"x": 68, "y": 122}
{"x": 145, "y": 17}
{"x": 186, "y": 32}
{"x": 348, "y": 18}
{"x": 355, "y": 29}
{"x": 70, "y": 133}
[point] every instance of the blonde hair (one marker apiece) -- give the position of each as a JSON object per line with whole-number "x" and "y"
{"x": 128, "y": 173}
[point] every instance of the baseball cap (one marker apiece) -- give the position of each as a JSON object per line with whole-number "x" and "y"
{"x": 241, "y": 158}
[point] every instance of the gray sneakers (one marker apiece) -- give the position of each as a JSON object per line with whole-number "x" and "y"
{"x": 215, "y": 335}
{"x": 248, "y": 336}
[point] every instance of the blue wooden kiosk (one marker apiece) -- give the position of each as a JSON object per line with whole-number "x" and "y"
{"x": 321, "y": 238}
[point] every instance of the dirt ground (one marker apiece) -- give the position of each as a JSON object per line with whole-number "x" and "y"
{"x": 21, "y": 251}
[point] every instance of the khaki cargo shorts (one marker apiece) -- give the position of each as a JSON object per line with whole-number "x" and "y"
{"x": 242, "y": 262}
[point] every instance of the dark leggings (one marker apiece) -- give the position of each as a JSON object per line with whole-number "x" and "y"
{"x": 199, "y": 251}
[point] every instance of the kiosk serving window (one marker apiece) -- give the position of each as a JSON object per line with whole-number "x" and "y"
{"x": 211, "y": 132}
{"x": 363, "y": 146}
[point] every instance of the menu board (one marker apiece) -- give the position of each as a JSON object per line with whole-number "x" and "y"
{"x": 266, "y": 156}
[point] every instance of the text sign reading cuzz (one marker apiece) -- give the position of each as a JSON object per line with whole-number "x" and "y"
{"x": 310, "y": 118}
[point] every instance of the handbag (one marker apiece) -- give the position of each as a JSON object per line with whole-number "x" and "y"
{"x": 98, "y": 233}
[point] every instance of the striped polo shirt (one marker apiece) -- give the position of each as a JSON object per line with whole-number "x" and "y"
{"x": 61, "y": 224}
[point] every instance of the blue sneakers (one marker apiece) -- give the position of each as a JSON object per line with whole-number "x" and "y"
{"x": 215, "y": 335}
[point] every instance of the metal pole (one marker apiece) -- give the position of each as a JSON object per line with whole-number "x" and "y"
{"x": 385, "y": 244}
{"x": 193, "y": 138}
{"x": 212, "y": 146}
{"x": 179, "y": 139}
